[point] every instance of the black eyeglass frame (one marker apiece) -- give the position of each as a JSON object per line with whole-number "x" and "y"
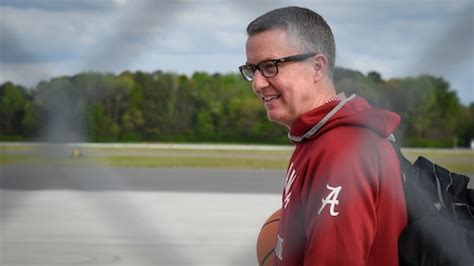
{"x": 253, "y": 68}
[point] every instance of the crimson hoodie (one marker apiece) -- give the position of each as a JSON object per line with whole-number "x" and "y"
{"x": 343, "y": 201}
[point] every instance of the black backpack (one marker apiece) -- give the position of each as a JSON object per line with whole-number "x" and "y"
{"x": 440, "y": 208}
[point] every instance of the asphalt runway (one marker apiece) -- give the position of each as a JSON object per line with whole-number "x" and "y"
{"x": 133, "y": 216}
{"x": 94, "y": 216}
{"x": 141, "y": 179}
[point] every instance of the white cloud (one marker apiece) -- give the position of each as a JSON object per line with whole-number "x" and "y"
{"x": 29, "y": 74}
{"x": 175, "y": 41}
{"x": 121, "y": 3}
{"x": 231, "y": 39}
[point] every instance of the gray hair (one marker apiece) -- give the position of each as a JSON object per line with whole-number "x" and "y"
{"x": 307, "y": 30}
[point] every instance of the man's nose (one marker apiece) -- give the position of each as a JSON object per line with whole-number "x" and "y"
{"x": 259, "y": 82}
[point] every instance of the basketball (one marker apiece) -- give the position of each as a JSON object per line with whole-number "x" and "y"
{"x": 267, "y": 239}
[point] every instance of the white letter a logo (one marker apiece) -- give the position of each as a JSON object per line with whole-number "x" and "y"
{"x": 331, "y": 199}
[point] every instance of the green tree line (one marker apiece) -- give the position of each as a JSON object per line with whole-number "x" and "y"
{"x": 169, "y": 107}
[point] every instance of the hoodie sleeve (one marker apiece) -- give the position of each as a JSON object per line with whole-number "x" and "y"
{"x": 340, "y": 197}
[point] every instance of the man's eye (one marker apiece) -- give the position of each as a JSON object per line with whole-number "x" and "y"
{"x": 267, "y": 65}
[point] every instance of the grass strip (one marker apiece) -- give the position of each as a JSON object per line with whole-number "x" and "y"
{"x": 202, "y": 162}
{"x": 456, "y": 161}
{"x": 150, "y": 161}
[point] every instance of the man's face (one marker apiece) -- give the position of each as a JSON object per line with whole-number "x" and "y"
{"x": 293, "y": 90}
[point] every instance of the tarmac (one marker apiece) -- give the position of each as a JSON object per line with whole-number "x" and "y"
{"x": 133, "y": 216}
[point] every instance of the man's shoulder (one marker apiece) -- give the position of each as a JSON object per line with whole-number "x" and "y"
{"x": 348, "y": 137}
{"x": 349, "y": 146}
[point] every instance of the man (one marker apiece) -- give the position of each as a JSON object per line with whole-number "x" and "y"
{"x": 343, "y": 201}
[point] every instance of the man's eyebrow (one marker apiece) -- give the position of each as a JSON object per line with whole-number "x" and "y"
{"x": 264, "y": 60}
{"x": 251, "y": 65}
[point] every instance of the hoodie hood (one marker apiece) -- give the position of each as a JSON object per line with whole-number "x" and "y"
{"x": 353, "y": 111}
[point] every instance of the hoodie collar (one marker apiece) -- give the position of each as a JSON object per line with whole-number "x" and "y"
{"x": 312, "y": 131}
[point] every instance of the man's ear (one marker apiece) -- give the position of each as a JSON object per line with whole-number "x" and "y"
{"x": 320, "y": 66}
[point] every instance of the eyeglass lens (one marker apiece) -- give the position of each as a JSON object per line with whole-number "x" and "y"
{"x": 268, "y": 69}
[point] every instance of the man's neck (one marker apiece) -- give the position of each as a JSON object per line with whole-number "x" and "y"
{"x": 326, "y": 91}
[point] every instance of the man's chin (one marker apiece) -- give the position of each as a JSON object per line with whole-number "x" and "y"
{"x": 272, "y": 117}
{"x": 276, "y": 119}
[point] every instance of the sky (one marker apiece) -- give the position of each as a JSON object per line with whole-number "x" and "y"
{"x": 42, "y": 39}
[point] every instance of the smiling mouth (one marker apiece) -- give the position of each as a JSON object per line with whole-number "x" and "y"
{"x": 270, "y": 98}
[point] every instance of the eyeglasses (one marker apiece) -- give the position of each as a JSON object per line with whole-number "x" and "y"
{"x": 269, "y": 68}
